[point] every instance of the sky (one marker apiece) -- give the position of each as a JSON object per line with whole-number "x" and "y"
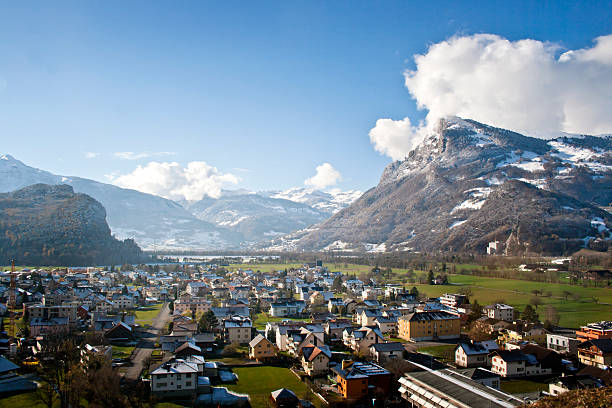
{"x": 183, "y": 99}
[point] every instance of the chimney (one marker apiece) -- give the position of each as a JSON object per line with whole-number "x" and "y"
{"x": 346, "y": 364}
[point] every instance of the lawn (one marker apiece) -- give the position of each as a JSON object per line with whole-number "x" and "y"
{"x": 25, "y": 400}
{"x": 258, "y": 382}
{"x": 579, "y": 309}
{"x": 263, "y": 318}
{"x": 522, "y": 386}
{"x": 444, "y": 353}
{"x": 146, "y": 315}
{"x": 122, "y": 351}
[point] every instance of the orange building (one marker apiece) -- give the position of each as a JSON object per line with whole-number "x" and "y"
{"x": 357, "y": 380}
{"x": 423, "y": 326}
{"x": 595, "y": 331}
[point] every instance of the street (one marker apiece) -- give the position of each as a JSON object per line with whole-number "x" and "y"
{"x": 147, "y": 343}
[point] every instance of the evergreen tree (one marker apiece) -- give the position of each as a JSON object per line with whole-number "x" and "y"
{"x": 530, "y": 315}
{"x": 208, "y": 321}
{"x": 430, "y": 277}
{"x": 337, "y": 285}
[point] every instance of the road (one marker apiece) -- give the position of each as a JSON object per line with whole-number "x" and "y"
{"x": 147, "y": 343}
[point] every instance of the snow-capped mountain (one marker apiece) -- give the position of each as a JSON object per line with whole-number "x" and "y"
{"x": 469, "y": 184}
{"x": 153, "y": 222}
{"x": 255, "y": 216}
{"x": 326, "y": 201}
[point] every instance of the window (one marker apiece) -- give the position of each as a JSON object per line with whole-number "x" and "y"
{"x": 188, "y": 384}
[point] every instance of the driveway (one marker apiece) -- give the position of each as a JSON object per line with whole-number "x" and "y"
{"x": 147, "y": 343}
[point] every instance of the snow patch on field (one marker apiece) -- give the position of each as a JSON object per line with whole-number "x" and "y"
{"x": 376, "y": 248}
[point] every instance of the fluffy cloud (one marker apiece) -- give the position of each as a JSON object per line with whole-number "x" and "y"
{"x": 141, "y": 155}
{"x": 170, "y": 180}
{"x": 326, "y": 176}
{"x": 529, "y": 86}
{"x": 91, "y": 155}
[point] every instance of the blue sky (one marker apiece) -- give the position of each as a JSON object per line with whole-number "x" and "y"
{"x": 266, "y": 91}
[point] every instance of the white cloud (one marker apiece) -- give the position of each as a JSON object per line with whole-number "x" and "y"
{"x": 170, "y": 180}
{"x": 326, "y": 176}
{"x": 523, "y": 85}
{"x": 91, "y": 155}
{"x": 141, "y": 155}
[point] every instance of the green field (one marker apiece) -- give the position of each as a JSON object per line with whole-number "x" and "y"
{"x": 444, "y": 352}
{"x": 146, "y": 315}
{"x": 26, "y": 400}
{"x": 122, "y": 351}
{"x": 258, "y": 382}
{"x": 263, "y": 318}
{"x": 522, "y": 386}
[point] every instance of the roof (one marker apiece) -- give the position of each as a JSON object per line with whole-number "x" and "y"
{"x": 434, "y": 315}
{"x": 176, "y": 367}
{"x": 360, "y": 370}
{"x": 511, "y": 355}
{"x": 384, "y": 347}
{"x": 283, "y": 393}
{"x": 478, "y": 373}
{"x": 605, "y": 345}
{"x": 311, "y": 352}
{"x": 257, "y": 339}
{"x": 6, "y": 365}
{"x": 456, "y": 386}
{"x": 471, "y": 349}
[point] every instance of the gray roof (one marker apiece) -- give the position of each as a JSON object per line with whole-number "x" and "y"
{"x": 6, "y": 365}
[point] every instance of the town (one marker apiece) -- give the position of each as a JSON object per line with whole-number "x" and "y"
{"x": 311, "y": 334}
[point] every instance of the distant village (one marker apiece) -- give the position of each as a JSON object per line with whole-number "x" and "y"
{"x": 182, "y": 332}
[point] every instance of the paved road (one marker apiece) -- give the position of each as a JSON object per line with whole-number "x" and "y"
{"x": 147, "y": 343}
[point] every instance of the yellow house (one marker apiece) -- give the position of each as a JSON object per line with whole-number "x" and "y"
{"x": 533, "y": 334}
{"x": 423, "y": 326}
{"x": 261, "y": 348}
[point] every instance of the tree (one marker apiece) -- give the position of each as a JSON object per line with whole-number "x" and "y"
{"x": 337, "y": 285}
{"x": 478, "y": 332}
{"x": 414, "y": 291}
{"x": 535, "y": 301}
{"x": 530, "y": 315}
{"x": 208, "y": 322}
{"x": 566, "y": 294}
{"x": 430, "y": 277}
{"x": 552, "y": 315}
{"x": 475, "y": 313}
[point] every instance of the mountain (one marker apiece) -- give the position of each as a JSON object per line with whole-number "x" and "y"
{"x": 153, "y": 222}
{"x": 254, "y": 216}
{"x": 328, "y": 202}
{"x": 51, "y": 225}
{"x": 468, "y": 184}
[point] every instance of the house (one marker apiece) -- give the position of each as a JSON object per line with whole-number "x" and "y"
{"x": 122, "y": 301}
{"x": 175, "y": 379}
{"x": 592, "y": 331}
{"x": 56, "y": 326}
{"x": 547, "y": 358}
{"x": 360, "y": 340}
{"x": 337, "y": 303}
{"x": 120, "y": 332}
{"x": 334, "y": 328}
{"x": 355, "y": 380}
{"x": 286, "y": 309}
{"x": 420, "y": 326}
{"x": 522, "y": 331}
{"x": 315, "y": 360}
{"x": 284, "y": 398}
{"x": 563, "y": 343}
{"x": 298, "y": 339}
{"x": 261, "y": 349}
{"x": 573, "y": 382}
{"x": 596, "y": 353}
{"x": 499, "y": 311}
{"x": 453, "y": 300}
{"x": 193, "y": 304}
{"x": 481, "y": 376}
{"x": 237, "y": 329}
{"x": 367, "y": 317}
{"x": 515, "y": 363}
{"x": 382, "y": 352}
{"x": 471, "y": 355}
{"x": 386, "y": 325}
{"x": 187, "y": 349}
{"x": 446, "y": 388}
